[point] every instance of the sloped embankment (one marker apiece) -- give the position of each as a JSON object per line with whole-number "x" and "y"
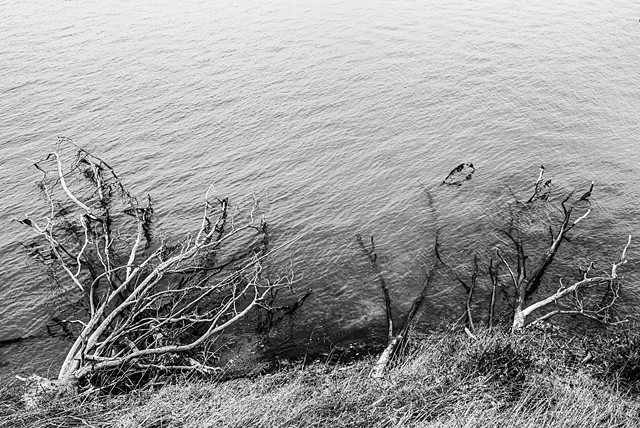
{"x": 447, "y": 379}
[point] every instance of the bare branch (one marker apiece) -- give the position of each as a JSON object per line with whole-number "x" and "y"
{"x": 63, "y": 183}
{"x": 598, "y": 314}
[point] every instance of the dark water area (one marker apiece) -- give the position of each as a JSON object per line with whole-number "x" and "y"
{"x": 337, "y": 116}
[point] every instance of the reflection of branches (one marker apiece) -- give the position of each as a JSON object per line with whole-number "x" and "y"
{"x": 152, "y": 307}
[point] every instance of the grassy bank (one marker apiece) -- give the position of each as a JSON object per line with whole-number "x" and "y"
{"x": 445, "y": 379}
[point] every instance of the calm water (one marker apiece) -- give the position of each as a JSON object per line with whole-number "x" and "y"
{"x": 333, "y": 113}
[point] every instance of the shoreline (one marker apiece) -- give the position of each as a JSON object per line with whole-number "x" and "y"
{"x": 541, "y": 379}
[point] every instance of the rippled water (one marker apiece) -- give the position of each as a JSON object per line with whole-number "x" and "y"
{"x": 336, "y": 115}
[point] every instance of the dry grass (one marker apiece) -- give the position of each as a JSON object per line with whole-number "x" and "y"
{"x": 447, "y": 380}
{"x": 60, "y": 412}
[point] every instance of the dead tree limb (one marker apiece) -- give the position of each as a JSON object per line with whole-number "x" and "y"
{"x": 526, "y": 283}
{"x": 601, "y": 313}
{"x": 539, "y": 187}
{"x": 394, "y": 339}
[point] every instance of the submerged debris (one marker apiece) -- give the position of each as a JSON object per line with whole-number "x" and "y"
{"x": 460, "y": 174}
{"x": 541, "y": 191}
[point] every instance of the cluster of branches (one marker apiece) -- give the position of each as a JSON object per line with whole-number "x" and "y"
{"x": 525, "y": 284}
{"x": 594, "y": 295}
{"x": 153, "y": 306}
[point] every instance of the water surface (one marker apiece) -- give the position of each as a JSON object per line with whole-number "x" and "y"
{"x": 336, "y": 115}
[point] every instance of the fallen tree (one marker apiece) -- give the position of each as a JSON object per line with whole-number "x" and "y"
{"x": 154, "y": 306}
{"x": 593, "y": 296}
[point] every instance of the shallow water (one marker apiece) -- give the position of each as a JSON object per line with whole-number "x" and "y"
{"x": 336, "y": 115}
